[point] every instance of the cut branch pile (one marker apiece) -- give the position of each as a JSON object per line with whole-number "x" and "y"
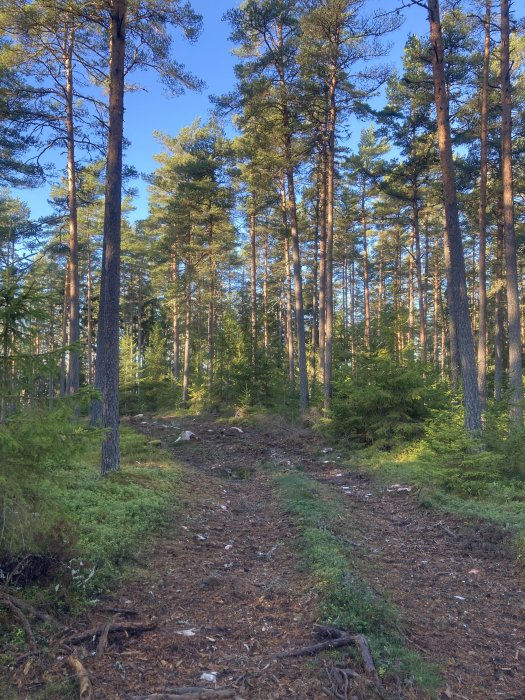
{"x": 340, "y": 678}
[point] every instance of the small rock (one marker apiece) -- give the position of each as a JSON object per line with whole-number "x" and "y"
{"x": 210, "y": 676}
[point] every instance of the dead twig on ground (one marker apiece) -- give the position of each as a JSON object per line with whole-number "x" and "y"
{"x": 312, "y": 649}
{"x": 191, "y": 694}
{"x": 102, "y": 642}
{"x": 339, "y": 638}
{"x": 449, "y": 532}
{"x": 113, "y": 627}
{"x": 25, "y": 623}
{"x": 29, "y": 609}
{"x": 119, "y": 611}
{"x": 84, "y": 683}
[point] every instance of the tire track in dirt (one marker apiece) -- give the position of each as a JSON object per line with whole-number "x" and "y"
{"x": 227, "y": 571}
{"x": 222, "y": 585}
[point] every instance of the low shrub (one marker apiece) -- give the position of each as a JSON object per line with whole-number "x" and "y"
{"x": 383, "y": 403}
{"x": 62, "y": 521}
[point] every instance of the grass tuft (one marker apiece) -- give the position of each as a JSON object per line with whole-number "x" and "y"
{"x": 346, "y": 600}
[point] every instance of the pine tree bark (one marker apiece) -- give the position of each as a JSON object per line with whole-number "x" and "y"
{"x": 419, "y": 279}
{"x": 65, "y": 331}
{"x": 499, "y": 312}
{"x": 298, "y": 286}
{"x": 366, "y": 267}
{"x": 511, "y": 265}
{"x": 253, "y": 287}
{"x": 289, "y": 324}
{"x": 288, "y": 291}
{"x": 322, "y": 259}
{"x": 482, "y": 252}
{"x": 89, "y": 314}
{"x": 436, "y": 301}
{"x": 73, "y": 373}
{"x": 329, "y": 271}
{"x": 175, "y": 317}
{"x": 107, "y": 363}
{"x": 211, "y": 312}
{"x": 457, "y": 283}
{"x": 187, "y": 331}
{"x": 266, "y": 337}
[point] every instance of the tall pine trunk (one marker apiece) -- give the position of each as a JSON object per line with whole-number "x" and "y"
{"x": 175, "y": 317}
{"x": 73, "y": 373}
{"x": 253, "y": 288}
{"x": 329, "y": 284}
{"x": 288, "y": 290}
{"x": 298, "y": 285}
{"x": 187, "y": 328}
{"x": 458, "y": 298}
{"x": 513, "y": 301}
{"x": 499, "y": 312}
{"x": 107, "y": 364}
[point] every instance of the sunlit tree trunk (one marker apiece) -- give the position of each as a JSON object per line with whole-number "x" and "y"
{"x": 107, "y": 365}
{"x": 458, "y": 298}
{"x": 322, "y": 260}
{"x": 482, "y": 253}
{"x": 253, "y": 286}
{"x": 435, "y": 300}
{"x": 511, "y": 266}
{"x": 329, "y": 272}
{"x": 175, "y": 317}
{"x": 187, "y": 329}
{"x": 366, "y": 269}
{"x": 73, "y": 374}
{"x": 266, "y": 337}
{"x": 420, "y": 285}
{"x": 65, "y": 336}
{"x": 499, "y": 312}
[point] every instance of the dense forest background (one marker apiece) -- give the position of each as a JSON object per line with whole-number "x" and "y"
{"x": 286, "y": 264}
{"x": 327, "y": 293}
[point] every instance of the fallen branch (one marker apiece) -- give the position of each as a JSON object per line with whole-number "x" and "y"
{"x": 84, "y": 684}
{"x": 339, "y": 638}
{"x": 113, "y": 627}
{"x": 120, "y": 611}
{"x": 25, "y": 623}
{"x": 368, "y": 661}
{"x": 330, "y": 632}
{"x": 190, "y": 694}
{"x": 102, "y": 642}
{"x": 29, "y": 609}
{"x": 320, "y": 646}
{"x": 449, "y": 532}
{"x": 28, "y": 654}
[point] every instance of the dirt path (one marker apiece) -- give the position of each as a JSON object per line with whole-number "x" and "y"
{"x": 224, "y": 587}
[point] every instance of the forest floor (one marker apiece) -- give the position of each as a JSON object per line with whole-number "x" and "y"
{"x": 225, "y": 589}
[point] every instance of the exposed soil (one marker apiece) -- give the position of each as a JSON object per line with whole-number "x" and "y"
{"x": 224, "y": 586}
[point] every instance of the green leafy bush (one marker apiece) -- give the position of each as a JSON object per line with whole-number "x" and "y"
{"x": 55, "y": 507}
{"x": 33, "y": 446}
{"x": 383, "y": 403}
{"x": 457, "y": 462}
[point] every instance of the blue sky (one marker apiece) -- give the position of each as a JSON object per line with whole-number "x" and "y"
{"x": 210, "y": 59}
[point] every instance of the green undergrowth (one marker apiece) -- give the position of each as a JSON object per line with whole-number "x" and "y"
{"x": 346, "y": 599}
{"x": 68, "y": 533}
{"x": 455, "y": 474}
